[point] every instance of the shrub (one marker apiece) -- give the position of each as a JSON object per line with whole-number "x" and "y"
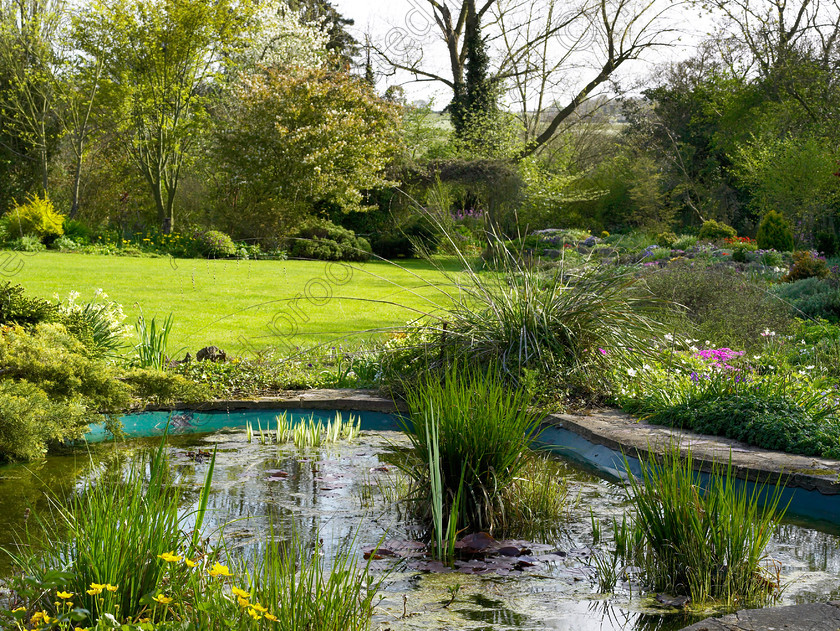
{"x": 552, "y": 322}
{"x": 216, "y": 245}
{"x": 827, "y": 243}
{"x": 97, "y": 324}
{"x": 739, "y": 254}
{"x": 770, "y": 258}
{"x": 774, "y": 233}
{"x": 16, "y": 308}
{"x": 30, "y": 421}
{"x": 811, "y": 298}
{"x": 806, "y": 265}
{"x": 165, "y": 387}
{"x": 723, "y": 304}
{"x": 322, "y": 239}
{"x": 712, "y": 230}
{"x": 65, "y": 244}
{"x": 49, "y": 357}
{"x": 684, "y": 242}
{"x": 37, "y": 216}
{"x": 771, "y": 421}
{"x": 27, "y": 243}
{"x": 76, "y": 230}
{"x": 666, "y": 239}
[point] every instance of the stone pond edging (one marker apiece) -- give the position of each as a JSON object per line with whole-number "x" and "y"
{"x": 811, "y": 617}
{"x": 610, "y": 428}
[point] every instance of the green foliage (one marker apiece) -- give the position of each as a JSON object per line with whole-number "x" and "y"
{"x": 58, "y": 363}
{"x": 827, "y": 243}
{"x": 297, "y": 137}
{"x": 322, "y": 239}
{"x": 165, "y": 387}
{"x": 154, "y": 342}
{"x": 774, "y": 233}
{"x": 791, "y": 173}
{"x": 767, "y": 421}
{"x": 118, "y": 525}
{"x": 50, "y": 390}
{"x": 37, "y": 216}
{"x": 27, "y": 243}
{"x": 16, "y": 308}
{"x": 30, "y": 421}
{"x": 723, "y": 304}
{"x": 158, "y": 59}
{"x": 554, "y": 322}
{"x": 98, "y": 324}
{"x": 666, "y": 239}
{"x": 685, "y": 242}
{"x": 217, "y": 245}
{"x": 806, "y": 265}
{"x": 480, "y": 431}
{"x": 705, "y": 540}
{"x": 812, "y": 298}
{"x": 712, "y": 230}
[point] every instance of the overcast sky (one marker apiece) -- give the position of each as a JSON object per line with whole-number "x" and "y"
{"x": 392, "y": 19}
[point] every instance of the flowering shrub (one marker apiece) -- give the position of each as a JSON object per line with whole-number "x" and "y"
{"x": 806, "y": 264}
{"x": 216, "y": 245}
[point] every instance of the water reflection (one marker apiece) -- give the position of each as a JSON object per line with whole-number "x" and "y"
{"x": 336, "y": 494}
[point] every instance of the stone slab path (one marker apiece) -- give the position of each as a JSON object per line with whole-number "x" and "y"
{"x": 815, "y": 617}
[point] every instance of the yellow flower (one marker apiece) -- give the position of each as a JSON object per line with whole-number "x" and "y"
{"x": 95, "y": 589}
{"x": 220, "y": 570}
{"x": 40, "y": 617}
{"x": 169, "y": 557}
{"x": 111, "y": 588}
{"x": 254, "y": 614}
{"x": 259, "y": 607}
{"x": 240, "y": 592}
{"x": 18, "y": 609}
{"x": 271, "y": 617}
{"x": 65, "y": 595}
{"x": 189, "y": 562}
{"x": 243, "y": 602}
{"x": 163, "y": 600}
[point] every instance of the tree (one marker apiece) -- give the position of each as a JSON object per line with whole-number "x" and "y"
{"x": 28, "y": 32}
{"x": 280, "y": 36}
{"x": 294, "y": 137}
{"x": 160, "y": 59}
{"x": 340, "y": 43}
{"x": 536, "y": 47}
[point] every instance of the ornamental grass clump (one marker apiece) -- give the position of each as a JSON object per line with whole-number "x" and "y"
{"x": 703, "y": 536}
{"x": 471, "y": 439}
{"x": 565, "y": 325}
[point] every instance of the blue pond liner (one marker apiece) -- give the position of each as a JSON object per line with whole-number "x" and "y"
{"x": 144, "y": 424}
{"x": 601, "y": 460}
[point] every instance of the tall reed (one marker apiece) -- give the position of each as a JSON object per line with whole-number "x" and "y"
{"x": 703, "y": 538}
{"x": 478, "y": 432}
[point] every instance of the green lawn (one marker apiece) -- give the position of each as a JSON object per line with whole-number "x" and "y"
{"x": 242, "y": 305}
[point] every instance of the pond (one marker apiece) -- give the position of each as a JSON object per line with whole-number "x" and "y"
{"x": 342, "y": 494}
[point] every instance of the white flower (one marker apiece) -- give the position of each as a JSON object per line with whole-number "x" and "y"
{"x": 669, "y": 337}
{"x": 632, "y": 372}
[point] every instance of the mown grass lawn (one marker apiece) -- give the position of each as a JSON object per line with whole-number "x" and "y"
{"x": 244, "y": 306}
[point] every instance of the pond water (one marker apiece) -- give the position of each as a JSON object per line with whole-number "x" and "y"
{"x": 341, "y": 493}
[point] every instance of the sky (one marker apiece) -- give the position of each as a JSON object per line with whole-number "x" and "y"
{"x": 408, "y": 21}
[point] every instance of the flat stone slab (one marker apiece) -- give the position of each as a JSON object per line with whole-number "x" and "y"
{"x": 624, "y": 433}
{"x": 333, "y": 399}
{"x": 814, "y": 617}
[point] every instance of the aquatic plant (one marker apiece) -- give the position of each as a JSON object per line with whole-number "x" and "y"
{"x": 473, "y": 432}
{"x": 705, "y": 539}
{"x": 307, "y": 432}
{"x": 114, "y": 532}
